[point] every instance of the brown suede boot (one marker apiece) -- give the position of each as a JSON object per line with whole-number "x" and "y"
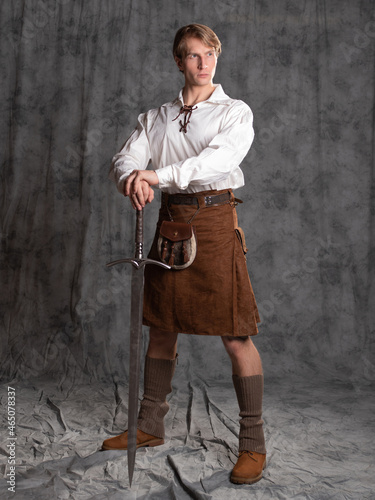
{"x": 252, "y": 450}
{"x": 157, "y": 385}
{"x": 121, "y": 442}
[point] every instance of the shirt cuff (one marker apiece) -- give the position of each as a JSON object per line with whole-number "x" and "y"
{"x": 120, "y": 183}
{"x": 165, "y": 176}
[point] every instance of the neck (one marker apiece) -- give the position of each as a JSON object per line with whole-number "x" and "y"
{"x": 194, "y": 94}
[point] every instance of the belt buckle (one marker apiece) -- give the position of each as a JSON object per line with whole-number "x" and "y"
{"x": 208, "y": 201}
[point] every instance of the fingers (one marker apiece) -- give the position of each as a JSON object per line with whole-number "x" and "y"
{"x": 150, "y": 195}
{"x": 140, "y": 192}
{"x": 138, "y": 189}
{"x": 132, "y": 203}
{"x": 135, "y": 201}
{"x": 132, "y": 183}
{"x": 136, "y": 177}
{"x": 128, "y": 188}
{"x": 144, "y": 195}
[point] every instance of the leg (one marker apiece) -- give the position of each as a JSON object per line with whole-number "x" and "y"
{"x": 248, "y": 384}
{"x": 162, "y": 345}
{"x": 243, "y": 355}
{"x": 160, "y": 364}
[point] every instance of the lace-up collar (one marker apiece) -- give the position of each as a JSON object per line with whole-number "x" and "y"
{"x": 218, "y": 96}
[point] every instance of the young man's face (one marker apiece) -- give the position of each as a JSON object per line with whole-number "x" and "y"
{"x": 199, "y": 63}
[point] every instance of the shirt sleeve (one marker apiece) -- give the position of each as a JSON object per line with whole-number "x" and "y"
{"x": 216, "y": 162}
{"x": 134, "y": 155}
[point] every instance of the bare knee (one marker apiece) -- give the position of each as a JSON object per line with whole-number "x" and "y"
{"x": 162, "y": 345}
{"x": 244, "y": 356}
{"x": 235, "y": 346}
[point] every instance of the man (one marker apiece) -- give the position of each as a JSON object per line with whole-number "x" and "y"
{"x": 196, "y": 144}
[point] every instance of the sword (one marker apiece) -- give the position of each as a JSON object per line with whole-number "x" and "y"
{"x": 136, "y": 307}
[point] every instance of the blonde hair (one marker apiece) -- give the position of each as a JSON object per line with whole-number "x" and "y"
{"x": 204, "y": 33}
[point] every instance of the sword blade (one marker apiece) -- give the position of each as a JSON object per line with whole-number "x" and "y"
{"x": 136, "y": 316}
{"x": 137, "y": 283}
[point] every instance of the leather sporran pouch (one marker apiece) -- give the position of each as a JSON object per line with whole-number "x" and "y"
{"x": 177, "y": 244}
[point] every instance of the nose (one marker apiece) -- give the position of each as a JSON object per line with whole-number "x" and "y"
{"x": 203, "y": 63}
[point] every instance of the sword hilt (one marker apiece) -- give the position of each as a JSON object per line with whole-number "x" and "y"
{"x": 139, "y": 235}
{"x": 138, "y": 260}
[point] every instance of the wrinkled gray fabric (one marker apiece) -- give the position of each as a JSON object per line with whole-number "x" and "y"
{"x": 320, "y": 440}
{"x": 74, "y": 76}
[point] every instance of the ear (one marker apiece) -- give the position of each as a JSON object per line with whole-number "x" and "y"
{"x": 179, "y": 64}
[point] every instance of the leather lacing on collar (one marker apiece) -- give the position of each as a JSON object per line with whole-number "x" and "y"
{"x": 187, "y": 111}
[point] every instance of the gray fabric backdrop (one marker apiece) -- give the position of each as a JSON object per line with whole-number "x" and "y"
{"x": 74, "y": 77}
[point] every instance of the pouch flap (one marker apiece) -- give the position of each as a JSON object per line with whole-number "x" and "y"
{"x": 176, "y": 231}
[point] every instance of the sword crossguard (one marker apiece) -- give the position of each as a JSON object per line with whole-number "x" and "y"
{"x": 139, "y": 263}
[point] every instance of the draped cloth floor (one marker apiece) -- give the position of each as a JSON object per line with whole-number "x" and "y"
{"x": 320, "y": 440}
{"x": 74, "y": 76}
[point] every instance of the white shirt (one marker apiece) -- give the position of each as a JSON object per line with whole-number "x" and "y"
{"x": 207, "y": 156}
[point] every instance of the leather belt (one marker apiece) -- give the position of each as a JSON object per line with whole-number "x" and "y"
{"x": 209, "y": 201}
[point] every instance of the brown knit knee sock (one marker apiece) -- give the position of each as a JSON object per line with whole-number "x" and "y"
{"x": 249, "y": 392}
{"x": 157, "y": 384}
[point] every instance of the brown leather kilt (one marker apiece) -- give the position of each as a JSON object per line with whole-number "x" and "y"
{"x": 213, "y": 296}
